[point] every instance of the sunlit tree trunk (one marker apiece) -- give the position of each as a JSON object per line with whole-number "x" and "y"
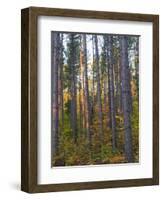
{"x": 100, "y": 117}
{"x": 109, "y": 41}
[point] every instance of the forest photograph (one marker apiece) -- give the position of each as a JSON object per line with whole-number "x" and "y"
{"x": 94, "y": 99}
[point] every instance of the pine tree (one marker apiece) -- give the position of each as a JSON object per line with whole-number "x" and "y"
{"x": 55, "y": 38}
{"x": 100, "y": 117}
{"x": 126, "y": 92}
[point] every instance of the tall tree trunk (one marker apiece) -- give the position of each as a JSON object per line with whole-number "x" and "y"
{"x": 108, "y": 80}
{"x": 93, "y": 82}
{"x": 129, "y": 74}
{"x": 126, "y": 92}
{"x": 86, "y": 89}
{"x": 117, "y": 82}
{"x": 81, "y": 99}
{"x": 105, "y": 93}
{"x": 137, "y": 66}
{"x": 80, "y": 106}
{"x": 109, "y": 41}
{"x": 73, "y": 89}
{"x": 100, "y": 117}
{"x": 60, "y": 82}
{"x": 82, "y": 90}
{"x": 120, "y": 86}
{"x": 54, "y": 77}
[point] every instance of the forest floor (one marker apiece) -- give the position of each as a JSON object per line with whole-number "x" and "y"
{"x": 80, "y": 153}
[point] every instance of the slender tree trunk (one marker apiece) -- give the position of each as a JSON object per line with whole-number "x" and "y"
{"x": 108, "y": 80}
{"x": 93, "y": 83}
{"x": 126, "y": 92}
{"x": 81, "y": 104}
{"x": 100, "y": 117}
{"x": 129, "y": 74}
{"x": 55, "y": 109}
{"x": 109, "y": 40}
{"x": 62, "y": 99}
{"x": 60, "y": 82}
{"x": 137, "y": 67}
{"x": 105, "y": 93}
{"x": 119, "y": 74}
{"x": 88, "y": 119}
{"x": 73, "y": 89}
{"x": 80, "y": 108}
{"x": 82, "y": 90}
{"x": 120, "y": 85}
{"x": 116, "y": 67}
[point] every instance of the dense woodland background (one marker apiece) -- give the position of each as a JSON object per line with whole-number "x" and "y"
{"x": 95, "y": 98}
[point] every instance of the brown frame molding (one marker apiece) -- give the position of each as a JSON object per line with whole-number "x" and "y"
{"x": 29, "y": 99}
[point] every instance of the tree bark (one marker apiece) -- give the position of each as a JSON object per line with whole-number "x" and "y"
{"x": 86, "y": 89}
{"x": 60, "y": 82}
{"x": 55, "y": 108}
{"x": 80, "y": 107}
{"x": 137, "y": 66}
{"x": 73, "y": 88}
{"x": 93, "y": 82}
{"x": 126, "y": 92}
{"x": 100, "y": 117}
{"x": 109, "y": 41}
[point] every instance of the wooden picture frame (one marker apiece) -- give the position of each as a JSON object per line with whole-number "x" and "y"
{"x": 29, "y": 110}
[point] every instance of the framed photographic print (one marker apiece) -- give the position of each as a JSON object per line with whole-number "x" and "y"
{"x": 90, "y": 99}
